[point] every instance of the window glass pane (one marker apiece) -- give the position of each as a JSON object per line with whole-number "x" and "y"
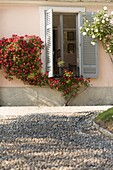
{"x": 64, "y": 42}
{"x": 56, "y": 42}
{"x": 69, "y": 47}
{"x": 69, "y": 38}
{"x": 56, "y": 21}
{"x": 69, "y": 21}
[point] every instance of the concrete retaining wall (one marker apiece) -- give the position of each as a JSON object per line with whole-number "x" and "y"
{"x": 36, "y": 96}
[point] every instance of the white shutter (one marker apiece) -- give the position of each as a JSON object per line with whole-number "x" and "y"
{"x": 89, "y": 53}
{"x": 49, "y": 41}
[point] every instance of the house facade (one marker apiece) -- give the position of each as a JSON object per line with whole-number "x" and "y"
{"x": 58, "y": 24}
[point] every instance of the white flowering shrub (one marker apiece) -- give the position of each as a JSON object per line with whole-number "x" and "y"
{"x": 101, "y": 28}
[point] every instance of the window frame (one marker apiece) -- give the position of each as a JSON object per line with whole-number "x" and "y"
{"x": 88, "y": 70}
{"x": 42, "y": 10}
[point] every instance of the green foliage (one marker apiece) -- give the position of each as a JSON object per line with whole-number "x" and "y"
{"x": 20, "y": 56}
{"x": 105, "y": 116}
{"x": 68, "y": 84}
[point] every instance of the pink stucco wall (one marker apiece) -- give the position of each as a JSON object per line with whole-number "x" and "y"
{"x": 24, "y": 19}
{"x": 18, "y": 19}
{"x": 105, "y": 70}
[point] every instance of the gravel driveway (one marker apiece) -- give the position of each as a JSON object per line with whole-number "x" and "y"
{"x": 53, "y": 141}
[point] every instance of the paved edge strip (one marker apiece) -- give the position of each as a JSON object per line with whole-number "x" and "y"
{"x": 103, "y": 131}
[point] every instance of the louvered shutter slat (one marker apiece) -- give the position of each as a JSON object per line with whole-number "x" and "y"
{"x": 89, "y": 54}
{"x": 49, "y": 41}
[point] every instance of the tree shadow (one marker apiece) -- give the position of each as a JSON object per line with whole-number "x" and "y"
{"x": 43, "y": 141}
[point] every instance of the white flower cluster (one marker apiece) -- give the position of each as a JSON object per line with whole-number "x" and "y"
{"x": 100, "y": 29}
{"x": 105, "y": 8}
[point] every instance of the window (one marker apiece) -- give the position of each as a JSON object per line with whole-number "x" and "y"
{"x": 64, "y": 43}
{"x": 66, "y": 48}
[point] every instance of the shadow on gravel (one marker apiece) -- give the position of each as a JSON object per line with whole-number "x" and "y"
{"x": 39, "y": 142}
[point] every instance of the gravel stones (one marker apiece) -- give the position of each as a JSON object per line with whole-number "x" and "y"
{"x": 48, "y": 141}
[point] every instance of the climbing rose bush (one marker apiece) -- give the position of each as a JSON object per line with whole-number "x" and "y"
{"x": 20, "y": 56}
{"x": 101, "y": 28}
{"x": 68, "y": 84}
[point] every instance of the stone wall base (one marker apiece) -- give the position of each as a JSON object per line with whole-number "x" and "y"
{"x": 42, "y": 96}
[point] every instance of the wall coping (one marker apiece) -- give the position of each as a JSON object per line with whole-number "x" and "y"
{"x": 55, "y": 3}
